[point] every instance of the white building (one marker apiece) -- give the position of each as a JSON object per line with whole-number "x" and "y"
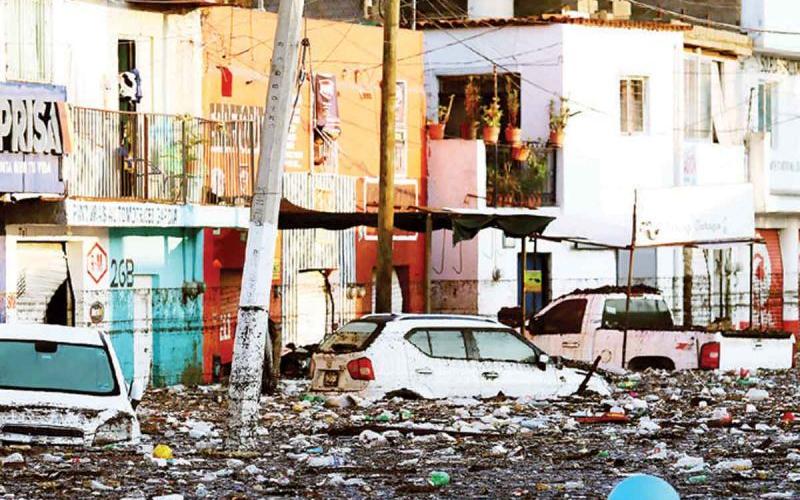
{"x": 771, "y": 89}
{"x": 643, "y": 123}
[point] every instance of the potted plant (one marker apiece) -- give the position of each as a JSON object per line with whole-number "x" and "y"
{"x": 558, "y": 121}
{"x": 513, "y": 132}
{"x": 472, "y": 105}
{"x": 436, "y": 130}
{"x": 534, "y": 177}
{"x": 520, "y": 151}
{"x": 491, "y": 121}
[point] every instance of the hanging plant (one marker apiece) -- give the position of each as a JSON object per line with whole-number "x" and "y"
{"x": 558, "y": 121}
{"x": 513, "y": 132}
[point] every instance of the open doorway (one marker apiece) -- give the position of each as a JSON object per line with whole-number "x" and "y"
{"x": 44, "y": 286}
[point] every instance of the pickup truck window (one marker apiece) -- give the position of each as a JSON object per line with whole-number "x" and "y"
{"x": 440, "y": 343}
{"x": 645, "y": 314}
{"x": 499, "y": 345}
{"x": 565, "y": 317}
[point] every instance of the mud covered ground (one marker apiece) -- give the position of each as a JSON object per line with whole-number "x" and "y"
{"x": 709, "y": 435}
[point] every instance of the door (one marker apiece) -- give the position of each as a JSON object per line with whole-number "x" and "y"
{"x": 437, "y": 364}
{"x": 508, "y": 364}
{"x": 230, "y": 284}
{"x": 312, "y": 308}
{"x": 44, "y": 291}
{"x": 558, "y": 330}
{"x": 142, "y": 328}
{"x": 534, "y": 301}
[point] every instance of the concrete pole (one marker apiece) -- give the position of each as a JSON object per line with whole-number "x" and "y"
{"x": 251, "y": 330}
{"x": 383, "y": 274}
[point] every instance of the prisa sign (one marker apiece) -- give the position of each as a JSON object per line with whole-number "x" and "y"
{"x": 29, "y": 126}
{"x": 32, "y": 138}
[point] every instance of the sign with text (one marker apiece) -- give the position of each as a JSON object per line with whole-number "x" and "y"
{"x": 694, "y": 214}
{"x": 32, "y": 138}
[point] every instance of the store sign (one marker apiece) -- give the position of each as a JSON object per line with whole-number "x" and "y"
{"x": 784, "y": 177}
{"x": 32, "y": 138}
{"x": 109, "y": 214}
{"x": 695, "y": 214}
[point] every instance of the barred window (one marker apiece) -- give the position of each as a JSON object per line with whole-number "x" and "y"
{"x": 632, "y": 105}
{"x": 29, "y": 47}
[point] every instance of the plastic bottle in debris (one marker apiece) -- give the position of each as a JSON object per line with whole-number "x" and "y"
{"x": 699, "y": 479}
{"x": 439, "y": 478}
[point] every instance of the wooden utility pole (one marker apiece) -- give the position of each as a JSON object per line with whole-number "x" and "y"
{"x": 249, "y": 353}
{"x": 383, "y": 274}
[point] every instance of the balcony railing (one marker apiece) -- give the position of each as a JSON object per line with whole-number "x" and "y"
{"x": 521, "y": 177}
{"x": 160, "y": 158}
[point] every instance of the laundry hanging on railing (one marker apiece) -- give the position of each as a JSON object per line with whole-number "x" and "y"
{"x": 130, "y": 85}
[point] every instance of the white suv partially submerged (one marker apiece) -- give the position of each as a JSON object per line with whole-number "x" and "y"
{"x": 63, "y": 386}
{"x": 439, "y": 356}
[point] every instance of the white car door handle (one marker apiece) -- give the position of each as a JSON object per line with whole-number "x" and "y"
{"x": 490, "y": 375}
{"x": 424, "y": 371}
{"x": 570, "y": 344}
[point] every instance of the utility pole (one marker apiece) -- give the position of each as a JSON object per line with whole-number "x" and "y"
{"x": 383, "y": 274}
{"x": 249, "y": 353}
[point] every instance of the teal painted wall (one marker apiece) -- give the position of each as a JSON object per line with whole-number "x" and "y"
{"x": 170, "y": 257}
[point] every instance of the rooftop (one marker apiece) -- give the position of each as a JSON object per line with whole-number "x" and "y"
{"x": 543, "y": 20}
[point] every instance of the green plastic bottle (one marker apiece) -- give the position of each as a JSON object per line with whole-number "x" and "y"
{"x": 701, "y": 479}
{"x": 439, "y": 478}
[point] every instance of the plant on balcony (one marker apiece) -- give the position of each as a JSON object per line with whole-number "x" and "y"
{"x": 472, "y": 106}
{"x": 558, "y": 121}
{"x": 513, "y": 132}
{"x": 492, "y": 114}
{"x": 533, "y": 178}
{"x": 436, "y": 130}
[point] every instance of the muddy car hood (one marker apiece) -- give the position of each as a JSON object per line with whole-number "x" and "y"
{"x": 60, "y": 418}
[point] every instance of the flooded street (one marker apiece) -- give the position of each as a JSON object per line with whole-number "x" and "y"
{"x": 721, "y": 435}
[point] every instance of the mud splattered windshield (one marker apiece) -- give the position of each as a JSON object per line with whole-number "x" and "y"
{"x": 351, "y": 337}
{"x": 50, "y": 366}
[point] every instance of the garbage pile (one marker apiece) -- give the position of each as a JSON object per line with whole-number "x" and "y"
{"x": 731, "y": 435}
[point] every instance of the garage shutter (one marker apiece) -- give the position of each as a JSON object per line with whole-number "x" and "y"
{"x": 397, "y": 293}
{"x": 42, "y": 268}
{"x": 312, "y": 307}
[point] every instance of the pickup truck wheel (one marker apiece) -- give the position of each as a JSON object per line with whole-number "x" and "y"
{"x": 656, "y": 362}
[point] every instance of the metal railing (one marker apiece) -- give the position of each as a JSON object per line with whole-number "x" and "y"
{"x": 161, "y": 158}
{"x": 521, "y": 176}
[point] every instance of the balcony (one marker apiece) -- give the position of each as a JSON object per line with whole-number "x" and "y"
{"x": 514, "y": 179}
{"x": 149, "y": 157}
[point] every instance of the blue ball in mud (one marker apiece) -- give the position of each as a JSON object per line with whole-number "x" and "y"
{"x": 643, "y": 487}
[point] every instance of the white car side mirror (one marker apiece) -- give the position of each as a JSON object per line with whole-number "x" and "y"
{"x": 544, "y": 359}
{"x": 136, "y": 392}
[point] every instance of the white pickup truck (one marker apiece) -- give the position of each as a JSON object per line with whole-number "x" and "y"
{"x": 589, "y": 323}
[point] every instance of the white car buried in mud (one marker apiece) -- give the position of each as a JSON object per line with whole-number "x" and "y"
{"x": 62, "y": 386}
{"x": 439, "y": 356}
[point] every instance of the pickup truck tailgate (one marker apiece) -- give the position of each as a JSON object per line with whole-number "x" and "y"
{"x": 752, "y": 351}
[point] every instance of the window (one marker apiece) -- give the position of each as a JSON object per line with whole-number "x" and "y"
{"x": 632, "y": 105}
{"x": 565, "y": 317}
{"x": 697, "y": 98}
{"x": 349, "y": 338}
{"x": 440, "y": 343}
{"x": 499, "y": 345}
{"x": 50, "y": 366}
{"x": 644, "y": 313}
{"x": 29, "y": 43}
{"x": 767, "y": 107}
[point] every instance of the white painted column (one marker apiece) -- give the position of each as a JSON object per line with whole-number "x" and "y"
{"x": 789, "y": 256}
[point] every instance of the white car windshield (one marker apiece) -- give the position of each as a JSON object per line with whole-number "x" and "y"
{"x": 51, "y": 366}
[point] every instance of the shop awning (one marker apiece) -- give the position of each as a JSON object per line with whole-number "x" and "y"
{"x": 465, "y": 223}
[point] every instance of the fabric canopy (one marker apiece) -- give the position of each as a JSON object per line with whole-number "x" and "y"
{"x": 465, "y": 223}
